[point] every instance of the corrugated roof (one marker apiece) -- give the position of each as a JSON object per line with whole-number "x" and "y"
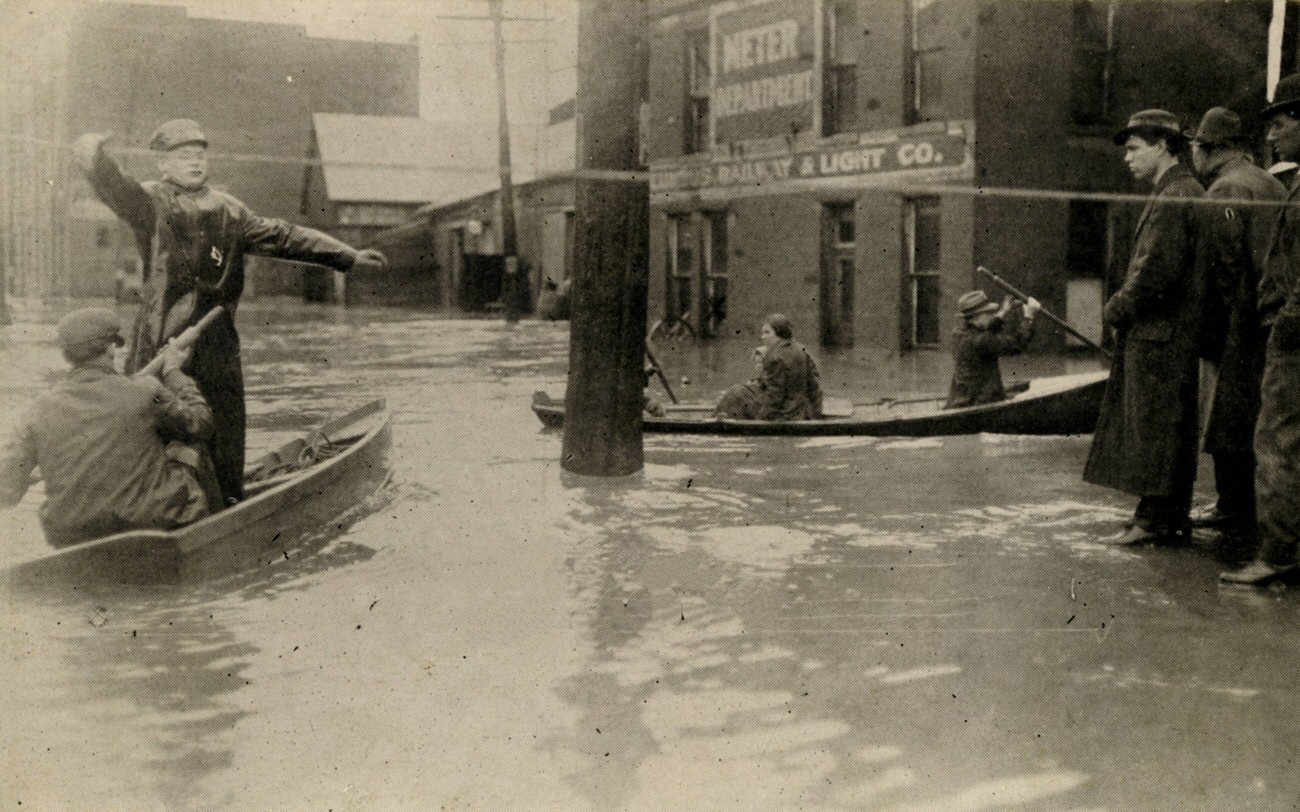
{"x": 394, "y": 159}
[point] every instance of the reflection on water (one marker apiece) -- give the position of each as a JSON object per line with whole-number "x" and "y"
{"x": 766, "y": 624}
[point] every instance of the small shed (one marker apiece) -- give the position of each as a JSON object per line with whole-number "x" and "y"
{"x": 370, "y": 174}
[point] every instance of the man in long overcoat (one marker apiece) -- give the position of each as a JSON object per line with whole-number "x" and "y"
{"x": 193, "y": 240}
{"x": 1145, "y": 442}
{"x": 1277, "y": 430}
{"x": 1235, "y": 242}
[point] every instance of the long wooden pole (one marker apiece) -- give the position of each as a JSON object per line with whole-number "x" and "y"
{"x": 602, "y": 425}
{"x": 185, "y": 339}
{"x": 1062, "y": 323}
{"x": 510, "y": 284}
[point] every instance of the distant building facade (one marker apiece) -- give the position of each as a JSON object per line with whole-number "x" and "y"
{"x": 826, "y": 159}
{"x": 124, "y": 68}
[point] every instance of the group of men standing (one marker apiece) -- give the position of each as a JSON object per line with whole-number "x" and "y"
{"x": 1207, "y": 329}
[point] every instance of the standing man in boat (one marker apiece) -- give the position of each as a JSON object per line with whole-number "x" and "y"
{"x": 1145, "y": 441}
{"x": 981, "y": 338}
{"x": 1232, "y": 354}
{"x": 193, "y": 240}
{"x": 1277, "y": 431}
{"x": 116, "y": 452}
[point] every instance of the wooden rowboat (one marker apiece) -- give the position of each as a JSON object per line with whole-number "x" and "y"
{"x": 1063, "y": 404}
{"x": 300, "y": 486}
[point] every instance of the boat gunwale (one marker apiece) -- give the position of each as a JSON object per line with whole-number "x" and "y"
{"x": 191, "y": 537}
{"x": 551, "y": 412}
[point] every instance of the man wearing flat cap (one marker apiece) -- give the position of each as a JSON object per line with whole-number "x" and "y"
{"x": 116, "y": 452}
{"x": 193, "y": 240}
{"x": 1145, "y": 442}
{"x": 1238, "y": 228}
{"x": 1277, "y": 430}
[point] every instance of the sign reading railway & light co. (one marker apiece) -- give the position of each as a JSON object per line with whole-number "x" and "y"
{"x": 875, "y": 154}
{"x": 764, "y": 78}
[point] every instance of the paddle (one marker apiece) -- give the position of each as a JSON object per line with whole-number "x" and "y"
{"x": 1064, "y": 325}
{"x": 185, "y": 340}
{"x": 663, "y": 379}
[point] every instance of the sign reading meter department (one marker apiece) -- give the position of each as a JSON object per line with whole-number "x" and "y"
{"x": 764, "y": 79}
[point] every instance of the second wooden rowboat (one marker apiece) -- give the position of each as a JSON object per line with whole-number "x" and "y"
{"x": 1061, "y": 404}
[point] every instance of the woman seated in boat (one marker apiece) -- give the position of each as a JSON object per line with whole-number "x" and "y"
{"x": 116, "y": 452}
{"x": 979, "y": 341}
{"x": 788, "y": 386}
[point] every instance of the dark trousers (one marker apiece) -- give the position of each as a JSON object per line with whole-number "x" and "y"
{"x": 1234, "y": 481}
{"x": 1167, "y": 513}
{"x": 1277, "y": 450}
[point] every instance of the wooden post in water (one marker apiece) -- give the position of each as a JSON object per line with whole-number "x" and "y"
{"x": 602, "y": 422}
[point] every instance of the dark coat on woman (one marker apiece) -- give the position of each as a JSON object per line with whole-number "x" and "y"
{"x": 1236, "y": 242}
{"x": 1145, "y": 442}
{"x": 790, "y": 384}
{"x": 193, "y": 244}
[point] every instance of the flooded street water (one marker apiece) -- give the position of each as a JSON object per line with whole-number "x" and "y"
{"x": 751, "y": 623}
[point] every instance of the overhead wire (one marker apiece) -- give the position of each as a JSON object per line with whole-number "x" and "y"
{"x": 947, "y": 182}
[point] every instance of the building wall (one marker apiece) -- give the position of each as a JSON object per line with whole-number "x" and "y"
{"x": 252, "y": 86}
{"x": 453, "y": 228}
{"x": 125, "y": 68}
{"x": 1016, "y": 80}
{"x": 776, "y": 252}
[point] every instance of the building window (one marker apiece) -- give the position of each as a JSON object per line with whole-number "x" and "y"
{"x": 715, "y": 273}
{"x": 840, "y": 84}
{"x": 1089, "y": 256}
{"x": 696, "y": 136}
{"x": 839, "y": 272}
{"x": 1092, "y": 69}
{"x": 682, "y": 270}
{"x": 926, "y": 62}
{"x": 921, "y": 230}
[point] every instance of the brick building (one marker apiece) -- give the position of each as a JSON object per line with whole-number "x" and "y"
{"x": 850, "y": 162}
{"x": 124, "y": 68}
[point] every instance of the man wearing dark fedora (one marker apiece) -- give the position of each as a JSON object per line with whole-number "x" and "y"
{"x": 980, "y": 339}
{"x": 116, "y": 452}
{"x": 1277, "y": 429}
{"x": 1145, "y": 442}
{"x": 193, "y": 239}
{"x": 1238, "y": 227}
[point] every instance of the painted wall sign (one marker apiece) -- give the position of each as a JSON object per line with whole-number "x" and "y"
{"x": 907, "y": 152}
{"x": 764, "y": 78}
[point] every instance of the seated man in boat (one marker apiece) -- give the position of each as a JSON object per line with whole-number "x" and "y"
{"x": 978, "y": 342}
{"x": 788, "y": 386}
{"x": 116, "y": 452}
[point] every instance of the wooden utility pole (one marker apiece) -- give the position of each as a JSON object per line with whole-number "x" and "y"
{"x": 511, "y": 284}
{"x": 602, "y": 425}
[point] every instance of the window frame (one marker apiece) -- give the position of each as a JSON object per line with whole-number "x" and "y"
{"x": 912, "y": 211}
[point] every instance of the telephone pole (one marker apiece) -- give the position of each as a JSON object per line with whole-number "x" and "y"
{"x": 511, "y": 284}
{"x": 603, "y": 402}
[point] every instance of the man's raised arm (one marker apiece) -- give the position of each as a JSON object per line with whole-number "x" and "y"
{"x": 121, "y": 193}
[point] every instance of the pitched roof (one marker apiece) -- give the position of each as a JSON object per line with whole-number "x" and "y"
{"x": 395, "y": 159}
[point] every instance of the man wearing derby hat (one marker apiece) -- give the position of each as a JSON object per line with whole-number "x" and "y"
{"x": 1238, "y": 227}
{"x": 193, "y": 240}
{"x": 1277, "y": 429}
{"x": 115, "y": 451}
{"x": 1146, "y": 436}
{"x": 979, "y": 341}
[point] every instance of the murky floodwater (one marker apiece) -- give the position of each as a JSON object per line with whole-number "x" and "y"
{"x": 765, "y": 624}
